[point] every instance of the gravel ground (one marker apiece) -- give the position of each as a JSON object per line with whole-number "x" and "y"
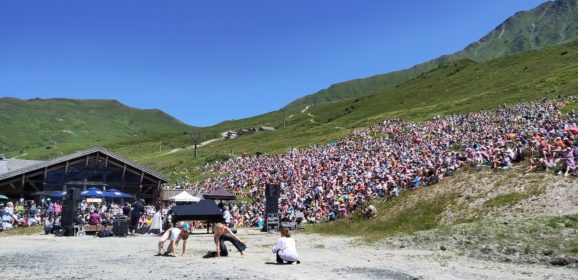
{"x": 42, "y": 257}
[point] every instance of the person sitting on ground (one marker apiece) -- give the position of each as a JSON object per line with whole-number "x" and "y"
{"x": 174, "y": 235}
{"x": 47, "y": 225}
{"x": 370, "y": 212}
{"x": 79, "y": 220}
{"x": 285, "y": 248}
{"x": 94, "y": 218}
{"x": 222, "y": 234}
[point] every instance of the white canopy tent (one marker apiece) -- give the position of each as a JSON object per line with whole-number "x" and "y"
{"x": 184, "y": 197}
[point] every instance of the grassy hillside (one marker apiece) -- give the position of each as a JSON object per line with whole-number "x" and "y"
{"x": 50, "y": 123}
{"x": 458, "y": 87}
{"x": 506, "y": 216}
{"x": 461, "y": 86}
{"x": 464, "y": 86}
{"x": 552, "y": 23}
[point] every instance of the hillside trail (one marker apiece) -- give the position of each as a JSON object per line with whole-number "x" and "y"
{"x": 312, "y": 119}
{"x": 19, "y": 156}
{"x": 192, "y": 146}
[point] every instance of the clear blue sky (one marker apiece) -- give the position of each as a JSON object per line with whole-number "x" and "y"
{"x": 208, "y": 61}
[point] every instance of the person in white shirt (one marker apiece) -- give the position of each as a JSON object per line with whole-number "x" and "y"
{"x": 285, "y": 248}
{"x": 174, "y": 235}
{"x": 227, "y": 216}
{"x": 157, "y": 223}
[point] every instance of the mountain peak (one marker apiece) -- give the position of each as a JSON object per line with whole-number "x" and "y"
{"x": 551, "y": 23}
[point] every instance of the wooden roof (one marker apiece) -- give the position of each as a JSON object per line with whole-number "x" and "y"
{"x": 57, "y": 161}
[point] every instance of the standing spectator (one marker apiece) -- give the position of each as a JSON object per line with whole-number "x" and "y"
{"x": 157, "y": 222}
{"x": 33, "y": 209}
{"x": 137, "y": 211}
{"x": 57, "y": 208}
{"x": 227, "y": 216}
{"x": 19, "y": 208}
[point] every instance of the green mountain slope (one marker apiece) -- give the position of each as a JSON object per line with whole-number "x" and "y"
{"x": 464, "y": 86}
{"x": 49, "y": 123}
{"x": 458, "y": 87}
{"x": 547, "y": 25}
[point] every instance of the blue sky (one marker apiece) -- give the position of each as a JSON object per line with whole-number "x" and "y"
{"x": 209, "y": 61}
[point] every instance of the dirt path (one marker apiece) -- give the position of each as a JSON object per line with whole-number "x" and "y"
{"x": 19, "y": 156}
{"x": 312, "y": 119}
{"x": 39, "y": 257}
{"x": 191, "y": 147}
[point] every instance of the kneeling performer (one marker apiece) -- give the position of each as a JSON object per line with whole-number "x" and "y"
{"x": 174, "y": 235}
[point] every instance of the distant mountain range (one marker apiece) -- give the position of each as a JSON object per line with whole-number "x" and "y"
{"x": 49, "y": 122}
{"x": 551, "y": 23}
{"x": 522, "y": 59}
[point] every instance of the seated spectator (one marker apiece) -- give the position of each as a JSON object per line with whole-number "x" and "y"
{"x": 48, "y": 226}
{"x": 94, "y": 218}
{"x": 371, "y": 212}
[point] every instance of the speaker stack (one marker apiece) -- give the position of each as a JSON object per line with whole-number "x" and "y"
{"x": 70, "y": 210}
{"x": 120, "y": 225}
{"x": 272, "y": 194}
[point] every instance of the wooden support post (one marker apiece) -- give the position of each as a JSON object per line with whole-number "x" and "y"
{"x": 123, "y": 177}
{"x": 141, "y": 179}
{"x": 34, "y": 186}
{"x": 23, "y": 183}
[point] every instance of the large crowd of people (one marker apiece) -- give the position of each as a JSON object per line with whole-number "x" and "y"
{"x": 326, "y": 182}
{"x": 25, "y": 213}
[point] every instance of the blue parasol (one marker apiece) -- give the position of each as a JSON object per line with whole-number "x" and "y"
{"x": 114, "y": 193}
{"x": 92, "y": 192}
{"x": 58, "y": 195}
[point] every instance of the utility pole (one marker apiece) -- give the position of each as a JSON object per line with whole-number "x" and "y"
{"x": 284, "y": 119}
{"x": 314, "y": 104}
{"x": 197, "y": 139}
{"x": 161, "y": 146}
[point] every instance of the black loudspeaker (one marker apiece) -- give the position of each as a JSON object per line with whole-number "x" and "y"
{"x": 120, "y": 226}
{"x": 70, "y": 210}
{"x": 272, "y": 190}
{"x": 272, "y": 194}
{"x": 272, "y": 205}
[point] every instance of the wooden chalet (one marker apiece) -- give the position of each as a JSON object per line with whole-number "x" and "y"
{"x": 95, "y": 167}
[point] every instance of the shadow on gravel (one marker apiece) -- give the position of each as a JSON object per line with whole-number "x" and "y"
{"x": 274, "y": 263}
{"x": 375, "y": 273}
